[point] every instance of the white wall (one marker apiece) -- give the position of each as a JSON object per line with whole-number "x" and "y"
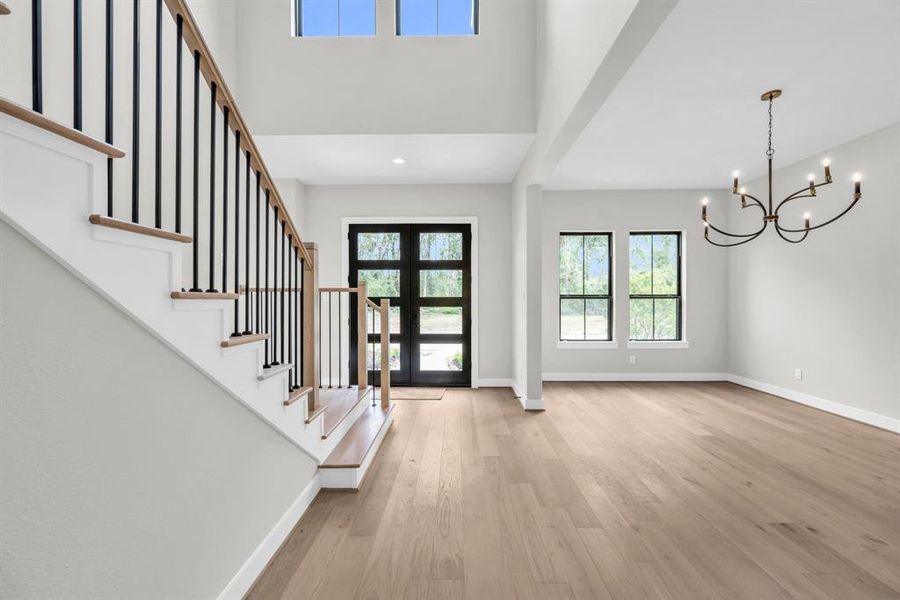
{"x": 326, "y": 205}
{"x": 293, "y": 192}
{"x": 388, "y": 84}
{"x": 126, "y": 472}
{"x": 704, "y": 283}
{"x": 829, "y": 305}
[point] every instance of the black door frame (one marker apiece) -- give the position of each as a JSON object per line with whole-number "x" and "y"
{"x": 409, "y": 302}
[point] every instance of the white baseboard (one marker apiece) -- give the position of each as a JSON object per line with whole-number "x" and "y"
{"x": 635, "y": 376}
{"x": 496, "y": 382}
{"x": 247, "y": 574}
{"x": 850, "y": 412}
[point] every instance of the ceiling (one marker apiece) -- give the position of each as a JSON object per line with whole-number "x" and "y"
{"x": 367, "y": 159}
{"x": 687, "y": 113}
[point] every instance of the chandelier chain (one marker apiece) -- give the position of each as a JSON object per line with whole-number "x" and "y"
{"x": 771, "y": 150}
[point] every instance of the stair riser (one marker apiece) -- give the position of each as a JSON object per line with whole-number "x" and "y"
{"x": 352, "y": 478}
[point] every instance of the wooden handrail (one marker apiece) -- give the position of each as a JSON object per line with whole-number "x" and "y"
{"x": 224, "y": 98}
{"x": 4, "y": 9}
{"x": 373, "y": 304}
{"x": 348, "y": 290}
{"x": 24, "y": 113}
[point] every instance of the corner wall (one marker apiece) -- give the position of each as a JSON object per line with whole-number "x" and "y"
{"x": 122, "y": 465}
{"x": 829, "y": 305}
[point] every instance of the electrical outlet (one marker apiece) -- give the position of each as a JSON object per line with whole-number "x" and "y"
{"x": 632, "y": 358}
{"x": 798, "y": 374}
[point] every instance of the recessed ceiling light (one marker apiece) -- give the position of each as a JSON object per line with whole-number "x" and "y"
{"x": 399, "y": 160}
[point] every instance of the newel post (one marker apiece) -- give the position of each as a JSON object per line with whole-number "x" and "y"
{"x": 362, "y": 373}
{"x": 311, "y": 324}
{"x": 385, "y": 353}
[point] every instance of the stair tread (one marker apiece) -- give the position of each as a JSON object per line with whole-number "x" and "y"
{"x": 338, "y": 403}
{"x": 23, "y": 113}
{"x": 353, "y": 448}
{"x": 140, "y": 229}
{"x": 244, "y": 339}
{"x": 296, "y": 395}
{"x": 204, "y": 296}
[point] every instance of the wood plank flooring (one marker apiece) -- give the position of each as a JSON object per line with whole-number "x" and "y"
{"x": 632, "y": 491}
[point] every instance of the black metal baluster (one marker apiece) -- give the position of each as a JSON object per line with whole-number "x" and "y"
{"x": 330, "y": 346}
{"x": 196, "y": 179}
{"x": 136, "y": 113}
{"x": 283, "y": 280}
{"x": 274, "y": 330}
{"x": 290, "y": 321}
{"x": 302, "y": 324}
{"x": 247, "y": 330}
{"x": 179, "y": 36}
{"x": 237, "y": 231}
{"x": 37, "y": 57}
{"x": 266, "y": 365}
{"x": 158, "y": 167}
{"x": 225, "y": 201}
{"x": 258, "y": 320}
{"x": 320, "y": 337}
{"x": 339, "y": 336}
{"x": 109, "y": 105}
{"x": 298, "y": 363}
{"x": 212, "y": 189}
{"x": 77, "y": 96}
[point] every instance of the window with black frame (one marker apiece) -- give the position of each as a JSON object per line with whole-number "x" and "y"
{"x": 585, "y": 286}
{"x": 654, "y": 286}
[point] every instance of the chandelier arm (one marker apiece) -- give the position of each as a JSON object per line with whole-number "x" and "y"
{"x": 750, "y": 239}
{"x": 756, "y": 202}
{"x": 800, "y": 194}
{"x": 787, "y": 239}
{"x": 820, "y": 225}
{"x": 738, "y": 235}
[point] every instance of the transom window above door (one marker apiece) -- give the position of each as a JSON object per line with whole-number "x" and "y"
{"x": 437, "y": 17}
{"x": 334, "y": 18}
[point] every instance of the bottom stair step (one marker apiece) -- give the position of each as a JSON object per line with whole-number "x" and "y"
{"x": 347, "y": 464}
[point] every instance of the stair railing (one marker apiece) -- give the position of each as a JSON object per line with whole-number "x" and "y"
{"x": 336, "y": 306}
{"x": 242, "y": 219}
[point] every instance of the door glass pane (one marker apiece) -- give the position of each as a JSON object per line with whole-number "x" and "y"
{"x": 440, "y": 357}
{"x": 381, "y": 283}
{"x": 596, "y": 318}
{"x": 440, "y": 246}
{"x": 666, "y": 317}
{"x": 440, "y": 319}
{"x": 394, "y": 356}
{"x": 571, "y": 319}
{"x": 639, "y": 261}
{"x": 571, "y": 262}
{"x": 641, "y": 319}
{"x": 596, "y": 264}
{"x": 665, "y": 264}
{"x": 393, "y": 320}
{"x": 378, "y": 246}
{"x": 438, "y": 283}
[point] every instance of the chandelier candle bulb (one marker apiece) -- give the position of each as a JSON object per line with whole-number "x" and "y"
{"x": 735, "y": 186}
{"x": 806, "y": 218}
{"x": 827, "y": 164}
{"x": 812, "y": 183}
{"x": 857, "y": 179}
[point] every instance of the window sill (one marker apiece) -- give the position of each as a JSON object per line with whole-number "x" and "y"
{"x": 661, "y": 345}
{"x": 612, "y": 345}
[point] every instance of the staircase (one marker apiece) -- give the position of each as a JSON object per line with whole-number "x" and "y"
{"x": 220, "y": 273}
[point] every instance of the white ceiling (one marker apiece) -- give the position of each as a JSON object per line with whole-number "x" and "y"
{"x": 688, "y": 113}
{"x": 366, "y": 159}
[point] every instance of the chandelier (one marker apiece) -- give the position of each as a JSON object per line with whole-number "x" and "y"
{"x": 793, "y": 235}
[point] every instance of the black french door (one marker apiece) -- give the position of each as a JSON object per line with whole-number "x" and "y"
{"x": 425, "y": 272}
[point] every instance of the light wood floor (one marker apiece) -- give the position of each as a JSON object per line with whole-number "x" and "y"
{"x": 618, "y": 491}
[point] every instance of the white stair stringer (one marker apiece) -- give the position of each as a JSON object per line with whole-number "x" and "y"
{"x": 48, "y": 187}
